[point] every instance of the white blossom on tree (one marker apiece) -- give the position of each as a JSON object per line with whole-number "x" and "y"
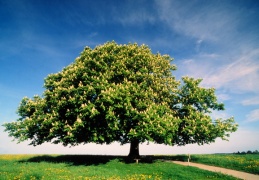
{"x": 121, "y": 93}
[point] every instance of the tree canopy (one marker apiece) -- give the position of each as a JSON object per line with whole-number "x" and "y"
{"x": 122, "y": 93}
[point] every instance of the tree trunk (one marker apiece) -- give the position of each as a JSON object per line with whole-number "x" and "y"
{"x": 134, "y": 149}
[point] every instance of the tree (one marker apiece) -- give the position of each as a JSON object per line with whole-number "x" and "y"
{"x": 122, "y": 93}
{"x": 249, "y": 152}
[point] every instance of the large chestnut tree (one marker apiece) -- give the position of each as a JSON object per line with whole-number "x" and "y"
{"x": 122, "y": 93}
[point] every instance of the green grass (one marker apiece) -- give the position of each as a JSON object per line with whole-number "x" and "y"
{"x": 241, "y": 162}
{"x": 85, "y": 167}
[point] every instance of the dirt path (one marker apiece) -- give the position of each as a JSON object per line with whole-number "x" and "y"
{"x": 238, "y": 174}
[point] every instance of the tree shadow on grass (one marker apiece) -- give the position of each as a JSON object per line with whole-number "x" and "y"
{"x": 168, "y": 157}
{"x": 88, "y": 160}
{"x": 74, "y": 160}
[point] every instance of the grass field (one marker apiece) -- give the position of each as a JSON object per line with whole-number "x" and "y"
{"x": 86, "y": 167}
{"x": 241, "y": 162}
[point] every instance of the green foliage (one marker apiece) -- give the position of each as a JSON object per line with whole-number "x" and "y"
{"x": 98, "y": 167}
{"x": 120, "y": 93}
{"x": 248, "y": 152}
{"x": 194, "y": 105}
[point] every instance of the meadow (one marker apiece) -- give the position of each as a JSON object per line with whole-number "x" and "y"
{"x": 241, "y": 162}
{"x": 87, "y": 167}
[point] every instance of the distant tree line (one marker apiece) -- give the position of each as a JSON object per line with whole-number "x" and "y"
{"x": 247, "y": 152}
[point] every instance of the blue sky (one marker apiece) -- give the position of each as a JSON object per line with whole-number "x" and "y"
{"x": 214, "y": 40}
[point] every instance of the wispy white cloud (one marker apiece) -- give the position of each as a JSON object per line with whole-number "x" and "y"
{"x": 238, "y": 76}
{"x": 220, "y": 115}
{"x": 196, "y": 67}
{"x": 223, "y": 97}
{"x": 209, "y": 55}
{"x": 225, "y": 57}
{"x": 251, "y": 101}
{"x": 253, "y": 116}
{"x": 206, "y": 22}
{"x": 134, "y": 13}
{"x": 135, "y": 17}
